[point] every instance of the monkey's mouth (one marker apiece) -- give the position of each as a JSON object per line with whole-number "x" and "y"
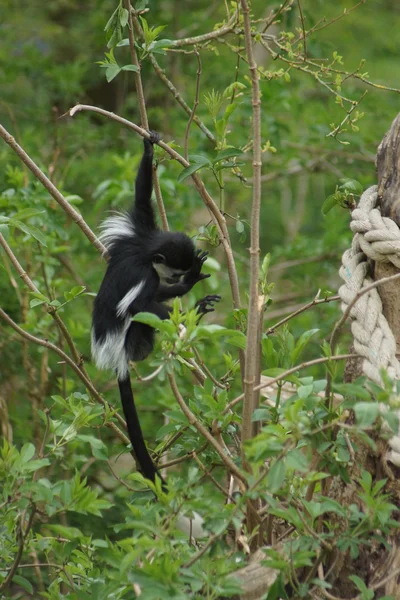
{"x": 172, "y": 280}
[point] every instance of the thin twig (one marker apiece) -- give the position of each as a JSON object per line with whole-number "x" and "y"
{"x": 135, "y": 62}
{"x": 212, "y": 35}
{"x": 195, "y": 105}
{"x": 303, "y": 29}
{"x": 178, "y": 97}
{"x": 207, "y": 370}
{"x": 305, "y": 307}
{"x": 215, "y": 482}
{"x": 203, "y": 550}
{"x": 304, "y": 365}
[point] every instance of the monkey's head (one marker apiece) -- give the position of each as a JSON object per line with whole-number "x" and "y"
{"x": 172, "y": 256}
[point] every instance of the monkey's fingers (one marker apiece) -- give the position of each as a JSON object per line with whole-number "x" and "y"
{"x": 201, "y": 255}
{"x": 206, "y": 304}
{"x": 203, "y": 276}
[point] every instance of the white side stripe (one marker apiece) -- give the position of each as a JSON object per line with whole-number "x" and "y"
{"x": 116, "y": 227}
{"x": 110, "y": 353}
{"x": 127, "y": 300}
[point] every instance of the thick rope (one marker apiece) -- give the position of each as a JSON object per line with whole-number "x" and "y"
{"x": 376, "y": 238}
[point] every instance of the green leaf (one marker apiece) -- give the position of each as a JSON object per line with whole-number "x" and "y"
{"x": 304, "y": 391}
{"x": 30, "y": 230}
{"x": 40, "y": 296}
{"x": 302, "y": 343}
{"x": 261, "y": 414}
{"x": 70, "y": 533}
{"x": 112, "y": 71}
{"x": 359, "y": 583}
{"x": 74, "y": 293}
{"x": 158, "y": 47}
{"x": 27, "y": 452}
{"x": 228, "y": 153}
{"x": 133, "y": 68}
{"x": 123, "y": 17}
{"x": 189, "y": 171}
{"x": 351, "y": 186}
{"x": 366, "y": 413}
{"x": 236, "y": 338}
{"x": 295, "y": 459}
{"x": 25, "y": 213}
{"x": 36, "y": 302}
{"x": 352, "y": 389}
{"x": 329, "y": 203}
{"x": 35, "y": 465}
{"x": 4, "y": 230}
{"x": 154, "y": 321}
{"x": 276, "y": 475}
{"x": 112, "y": 21}
{"x": 239, "y": 226}
{"x": 24, "y": 583}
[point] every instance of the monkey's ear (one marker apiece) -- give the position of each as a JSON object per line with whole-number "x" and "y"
{"x": 159, "y": 259}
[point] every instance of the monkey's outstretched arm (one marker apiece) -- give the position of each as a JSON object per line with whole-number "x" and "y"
{"x": 142, "y": 211}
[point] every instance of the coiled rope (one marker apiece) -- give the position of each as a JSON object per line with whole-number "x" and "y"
{"x": 375, "y": 238}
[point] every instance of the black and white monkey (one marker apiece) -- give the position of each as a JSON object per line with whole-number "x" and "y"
{"x": 146, "y": 267}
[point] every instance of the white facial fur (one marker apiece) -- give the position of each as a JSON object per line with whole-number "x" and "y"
{"x": 164, "y": 272}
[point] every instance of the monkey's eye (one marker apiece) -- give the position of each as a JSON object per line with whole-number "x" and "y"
{"x": 159, "y": 259}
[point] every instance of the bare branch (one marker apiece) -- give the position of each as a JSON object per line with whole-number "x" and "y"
{"x": 304, "y": 365}
{"x": 212, "y": 35}
{"x": 300, "y": 310}
{"x": 135, "y": 62}
{"x": 195, "y": 105}
{"x": 251, "y": 397}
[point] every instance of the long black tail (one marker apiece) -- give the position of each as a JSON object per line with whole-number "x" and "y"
{"x": 147, "y": 467}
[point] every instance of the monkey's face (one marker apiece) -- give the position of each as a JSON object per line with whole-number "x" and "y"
{"x": 168, "y": 275}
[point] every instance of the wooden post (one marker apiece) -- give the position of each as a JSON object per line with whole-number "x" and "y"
{"x": 388, "y": 169}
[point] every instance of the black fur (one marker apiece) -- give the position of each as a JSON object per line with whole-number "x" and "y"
{"x": 137, "y": 247}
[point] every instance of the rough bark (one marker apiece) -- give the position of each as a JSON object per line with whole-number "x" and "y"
{"x": 388, "y": 168}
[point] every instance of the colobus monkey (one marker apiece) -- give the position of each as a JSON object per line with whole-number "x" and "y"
{"x": 146, "y": 267}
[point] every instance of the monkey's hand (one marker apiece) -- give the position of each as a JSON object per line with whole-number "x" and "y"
{"x": 150, "y": 141}
{"x": 206, "y": 305}
{"x": 195, "y": 274}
